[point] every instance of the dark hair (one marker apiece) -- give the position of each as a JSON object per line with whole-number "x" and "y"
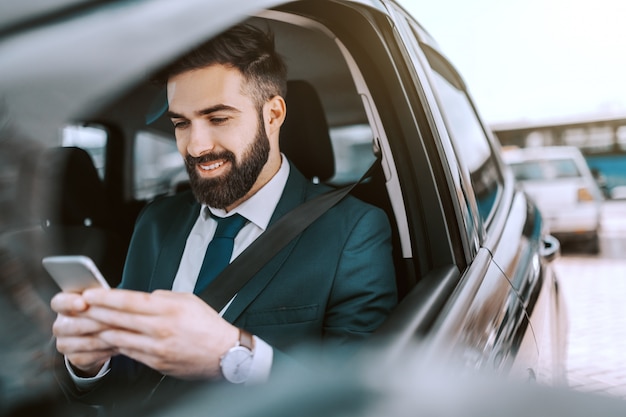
{"x": 246, "y": 48}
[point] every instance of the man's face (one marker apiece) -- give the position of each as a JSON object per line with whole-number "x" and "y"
{"x": 219, "y": 132}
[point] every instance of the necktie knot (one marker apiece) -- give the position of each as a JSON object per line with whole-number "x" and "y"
{"x": 228, "y": 227}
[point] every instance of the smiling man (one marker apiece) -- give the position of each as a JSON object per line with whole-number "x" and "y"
{"x": 209, "y": 112}
{"x": 330, "y": 287}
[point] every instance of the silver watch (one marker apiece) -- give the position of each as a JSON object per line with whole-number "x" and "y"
{"x": 237, "y": 362}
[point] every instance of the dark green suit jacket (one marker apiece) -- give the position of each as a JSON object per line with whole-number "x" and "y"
{"x": 331, "y": 286}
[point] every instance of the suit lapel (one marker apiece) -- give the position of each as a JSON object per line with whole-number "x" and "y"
{"x": 294, "y": 194}
{"x": 174, "y": 244}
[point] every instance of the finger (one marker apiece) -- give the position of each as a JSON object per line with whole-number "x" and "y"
{"x": 128, "y": 321}
{"x": 68, "y": 303}
{"x": 127, "y": 342}
{"x": 84, "y": 345}
{"x": 159, "y": 302}
{"x": 76, "y": 326}
{"x": 138, "y": 302}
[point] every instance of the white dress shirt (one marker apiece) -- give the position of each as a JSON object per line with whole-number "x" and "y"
{"x": 258, "y": 210}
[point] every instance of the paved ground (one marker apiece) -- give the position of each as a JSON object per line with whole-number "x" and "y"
{"x": 595, "y": 291}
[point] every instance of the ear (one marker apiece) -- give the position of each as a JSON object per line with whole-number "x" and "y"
{"x": 274, "y": 112}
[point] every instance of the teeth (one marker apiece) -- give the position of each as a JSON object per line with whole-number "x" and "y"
{"x": 212, "y": 166}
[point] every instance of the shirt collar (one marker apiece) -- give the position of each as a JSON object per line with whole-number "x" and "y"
{"x": 259, "y": 208}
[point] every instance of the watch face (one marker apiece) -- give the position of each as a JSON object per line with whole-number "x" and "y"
{"x": 236, "y": 364}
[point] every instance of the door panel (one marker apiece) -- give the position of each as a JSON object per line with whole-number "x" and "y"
{"x": 521, "y": 254}
{"x": 480, "y": 325}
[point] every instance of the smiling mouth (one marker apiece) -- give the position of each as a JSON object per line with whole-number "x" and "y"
{"x": 210, "y": 165}
{"x": 213, "y": 166}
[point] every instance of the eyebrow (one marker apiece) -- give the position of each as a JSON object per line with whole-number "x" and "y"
{"x": 204, "y": 112}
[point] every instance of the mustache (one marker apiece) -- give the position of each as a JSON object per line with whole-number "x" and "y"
{"x": 194, "y": 160}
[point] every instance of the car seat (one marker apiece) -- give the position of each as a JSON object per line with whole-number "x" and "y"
{"x": 304, "y": 136}
{"x": 305, "y": 140}
{"x": 65, "y": 211}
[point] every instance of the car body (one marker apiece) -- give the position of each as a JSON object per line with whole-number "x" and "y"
{"x": 618, "y": 192}
{"x": 560, "y": 182}
{"x": 471, "y": 250}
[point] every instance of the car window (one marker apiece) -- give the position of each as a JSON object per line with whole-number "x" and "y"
{"x": 545, "y": 170}
{"x": 92, "y": 138}
{"x": 462, "y": 210}
{"x": 158, "y": 167}
{"x": 352, "y": 146}
{"x": 469, "y": 139}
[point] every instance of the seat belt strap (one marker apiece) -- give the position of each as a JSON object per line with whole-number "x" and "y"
{"x": 224, "y": 287}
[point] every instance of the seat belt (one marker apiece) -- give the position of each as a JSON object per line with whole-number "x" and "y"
{"x": 228, "y": 283}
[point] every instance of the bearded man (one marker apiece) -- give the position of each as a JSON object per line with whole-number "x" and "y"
{"x": 331, "y": 286}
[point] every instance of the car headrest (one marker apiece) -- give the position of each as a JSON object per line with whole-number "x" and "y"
{"x": 70, "y": 190}
{"x": 304, "y": 136}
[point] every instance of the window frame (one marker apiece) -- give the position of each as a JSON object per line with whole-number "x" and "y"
{"x": 466, "y": 219}
{"x": 445, "y": 70}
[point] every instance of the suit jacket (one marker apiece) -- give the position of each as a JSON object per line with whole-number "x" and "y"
{"x": 331, "y": 286}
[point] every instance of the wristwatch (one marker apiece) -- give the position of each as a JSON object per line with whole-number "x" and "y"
{"x": 237, "y": 362}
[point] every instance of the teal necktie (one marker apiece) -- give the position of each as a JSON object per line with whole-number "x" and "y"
{"x": 220, "y": 249}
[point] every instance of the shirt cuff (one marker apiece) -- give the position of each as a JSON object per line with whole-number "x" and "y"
{"x": 84, "y": 384}
{"x": 261, "y": 362}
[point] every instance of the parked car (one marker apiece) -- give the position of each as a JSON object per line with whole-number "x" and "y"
{"x": 560, "y": 182}
{"x": 472, "y": 254}
{"x": 618, "y": 192}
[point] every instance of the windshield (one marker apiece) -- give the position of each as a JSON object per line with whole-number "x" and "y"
{"x": 545, "y": 169}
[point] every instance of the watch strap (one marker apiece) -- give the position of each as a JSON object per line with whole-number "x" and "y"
{"x": 246, "y": 340}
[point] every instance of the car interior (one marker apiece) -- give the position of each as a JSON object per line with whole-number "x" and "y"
{"x": 366, "y": 87}
{"x": 327, "y": 135}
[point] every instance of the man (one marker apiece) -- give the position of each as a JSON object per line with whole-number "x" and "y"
{"x": 333, "y": 285}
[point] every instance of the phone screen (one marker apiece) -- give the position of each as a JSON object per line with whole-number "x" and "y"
{"x": 74, "y": 273}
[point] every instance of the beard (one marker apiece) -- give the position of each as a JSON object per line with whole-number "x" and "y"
{"x": 224, "y": 191}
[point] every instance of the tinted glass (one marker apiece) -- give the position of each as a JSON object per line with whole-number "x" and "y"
{"x": 91, "y": 138}
{"x": 471, "y": 143}
{"x": 352, "y": 146}
{"x": 159, "y": 168}
{"x": 545, "y": 170}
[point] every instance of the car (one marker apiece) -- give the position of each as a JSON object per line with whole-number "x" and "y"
{"x": 89, "y": 149}
{"x": 618, "y": 192}
{"x": 561, "y": 183}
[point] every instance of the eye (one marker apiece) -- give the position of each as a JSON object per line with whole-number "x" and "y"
{"x": 219, "y": 120}
{"x": 180, "y": 124}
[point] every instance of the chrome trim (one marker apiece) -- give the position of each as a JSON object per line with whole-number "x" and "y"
{"x": 550, "y": 248}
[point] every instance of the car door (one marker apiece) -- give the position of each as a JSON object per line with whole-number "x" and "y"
{"x": 498, "y": 327}
{"x": 450, "y": 195}
{"x": 460, "y": 299}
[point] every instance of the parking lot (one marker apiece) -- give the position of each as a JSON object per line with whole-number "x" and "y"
{"x": 595, "y": 289}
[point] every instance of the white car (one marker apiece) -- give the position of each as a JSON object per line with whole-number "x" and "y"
{"x": 562, "y": 185}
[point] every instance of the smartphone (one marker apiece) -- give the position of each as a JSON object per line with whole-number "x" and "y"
{"x": 74, "y": 273}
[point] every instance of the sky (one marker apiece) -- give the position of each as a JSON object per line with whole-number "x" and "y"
{"x": 534, "y": 60}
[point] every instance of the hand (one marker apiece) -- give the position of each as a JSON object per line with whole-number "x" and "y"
{"x": 77, "y": 335}
{"x": 177, "y": 334}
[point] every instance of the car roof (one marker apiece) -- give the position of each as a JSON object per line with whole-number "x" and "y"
{"x": 16, "y": 15}
{"x": 49, "y": 74}
{"x": 66, "y": 74}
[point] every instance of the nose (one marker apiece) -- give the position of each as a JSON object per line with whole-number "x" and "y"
{"x": 200, "y": 140}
